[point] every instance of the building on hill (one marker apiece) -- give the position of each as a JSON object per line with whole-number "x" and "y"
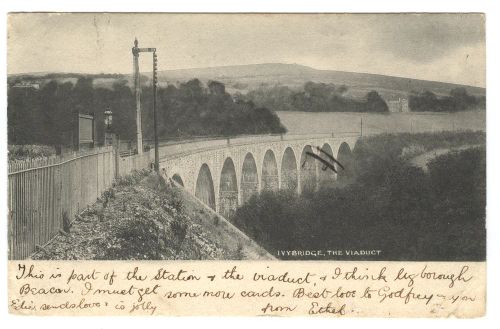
{"x": 399, "y": 105}
{"x": 27, "y": 85}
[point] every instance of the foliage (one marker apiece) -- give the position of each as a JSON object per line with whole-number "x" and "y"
{"x": 315, "y": 97}
{"x": 21, "y": 152}
{"x": 133, "y": 178}
{"x": 135, "y": 238}
{"x": 376, "y": 155}
{"x": 389, "y": 205}
{"x": 48, "y": 116}
{"x": 179, "y": 230}
{"x": 458, "y": 100}
{"x": 191, "y": 109}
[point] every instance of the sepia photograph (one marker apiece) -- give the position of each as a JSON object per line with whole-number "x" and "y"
{"x": 161, "y": 136}
{"x": 228, "y": 161}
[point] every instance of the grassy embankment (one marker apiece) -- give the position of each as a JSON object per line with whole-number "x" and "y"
{"x": 143, "y": 218}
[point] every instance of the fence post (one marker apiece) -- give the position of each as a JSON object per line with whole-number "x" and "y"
{"x": 116, "y": 146}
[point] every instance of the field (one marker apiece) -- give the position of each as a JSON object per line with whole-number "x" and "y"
{"x": 334, "y": 122}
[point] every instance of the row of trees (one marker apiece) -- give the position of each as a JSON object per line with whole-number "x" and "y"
{"x": 11, "y": 80}
{"x": 47, "y": 116}
{"x": 458, "y": 100}
{"x": 390, "y": 205}
{"x": 316, "y": 97}
{"x": 322, "y": 97}
{"x": 193, "y": 109}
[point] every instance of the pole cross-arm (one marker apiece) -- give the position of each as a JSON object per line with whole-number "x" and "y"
{"x": 147, "y": 50}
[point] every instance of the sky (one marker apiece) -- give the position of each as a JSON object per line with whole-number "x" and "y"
{"x": 440, "y": 47}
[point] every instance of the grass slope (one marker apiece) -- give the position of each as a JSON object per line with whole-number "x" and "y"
{"x": 142, "y": 218}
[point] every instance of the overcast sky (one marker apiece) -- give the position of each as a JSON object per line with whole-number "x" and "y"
{"x": 442, "y": 47}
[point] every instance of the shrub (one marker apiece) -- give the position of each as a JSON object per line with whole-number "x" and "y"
{"x": 66, "y": 222}
{"x": 135, "y": 238}
{"x": 22, "y": 152}
{"x": 133, "y": 178}
{"x": 179, "y": 230}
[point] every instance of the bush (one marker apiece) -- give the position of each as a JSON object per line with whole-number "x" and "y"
{"x": 133, "y": 178}
{"x": 179, "y": 230}
{"x": 135, "y": 238}
{"x": 22, "y": 152}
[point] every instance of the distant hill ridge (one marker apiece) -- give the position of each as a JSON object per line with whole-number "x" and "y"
{"x": 252, "y": 76}
{"x": 291, "y": 74}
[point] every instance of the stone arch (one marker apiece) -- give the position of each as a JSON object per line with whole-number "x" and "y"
{"x": 249, "y": 178}
{"x": 205, "y": 186}
{"x": 269, "y": 177}
{"x": 325, "y": 174}
{"x": 228, "y": 189}
{"x": 178, "y": 179}
{"x": 345, "y": 157}
{"x": 307, "y": 170}
{"x": 289, "y": 175}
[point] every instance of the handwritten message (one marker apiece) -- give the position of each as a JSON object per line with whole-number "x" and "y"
{"x": 336, "y": 289}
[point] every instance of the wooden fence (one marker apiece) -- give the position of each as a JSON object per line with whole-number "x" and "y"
{"x": 133, "y": 162}
{"x": 41, "y": 191}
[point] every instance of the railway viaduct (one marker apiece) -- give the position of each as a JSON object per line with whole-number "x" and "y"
{"x": 226, "y": 173}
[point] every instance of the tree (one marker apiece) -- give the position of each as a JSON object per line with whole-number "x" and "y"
{"x": 459, "y": 100}
{"x": 314, "y": 97}
{"x": 375, "y": 103}
{"x": 47, "y": 116}
{"x": 216, "y": 88}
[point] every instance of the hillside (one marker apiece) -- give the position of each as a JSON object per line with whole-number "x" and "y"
{"x": 242, "y": 78}
{"x": 246, "y": 77}
{"x": 143, "y": 218}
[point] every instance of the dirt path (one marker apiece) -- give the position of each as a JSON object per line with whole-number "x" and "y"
{"x": 423, "y": 159}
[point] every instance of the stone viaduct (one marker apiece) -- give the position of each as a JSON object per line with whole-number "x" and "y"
{"x": 226, "y": 173}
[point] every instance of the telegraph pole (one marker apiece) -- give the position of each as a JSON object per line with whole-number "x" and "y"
{"x": 155, "y": 110}
{"x": 137, "y": 87}
{"x": 137, "y": 90}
